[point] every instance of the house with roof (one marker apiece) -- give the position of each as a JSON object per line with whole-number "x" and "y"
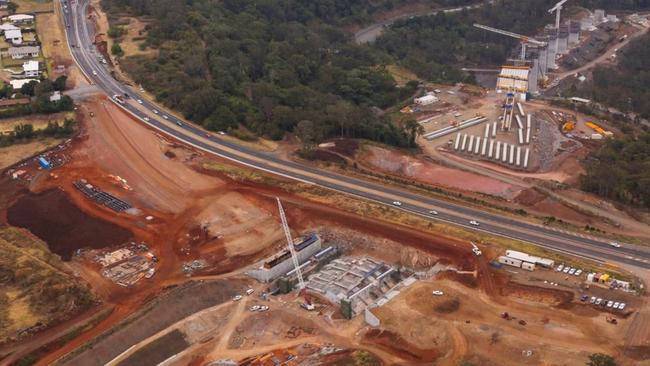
{"x": 21, "y": 18}
{"x": 7, "y": 26}
{"x": 18, "y": 83}
{"x": 18, "y": 53}
{"x": 31, "y": 69}
{"x": 4, "y": 4}
{"x": 15, "y": 36}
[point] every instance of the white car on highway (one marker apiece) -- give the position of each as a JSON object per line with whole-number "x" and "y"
{"x": 165, "y": 116}
{"x": 94, "y": 72}
{"x": 154, "y": 111}
{"x": 433, "y": 212}
{"x": 397, "y": 203}
{"x": 139, "y": 101}
{"x": 621, "y": 306}
{"x": 237, "y": 298}
{"x": 437, "y": 293}
{"x": 615, "y": 244}
{"x": 474, "y": 223}
{"x": 146, "y": 119}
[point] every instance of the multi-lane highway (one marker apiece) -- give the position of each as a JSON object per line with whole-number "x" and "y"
{"x": 80, "y": 38}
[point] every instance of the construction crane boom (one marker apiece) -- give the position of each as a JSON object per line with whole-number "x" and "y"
{"x": 523, "y": 39}
{"x": 557, "y": 6}
{"x": 292, "y": 249}
{"x": 511, "y": 34}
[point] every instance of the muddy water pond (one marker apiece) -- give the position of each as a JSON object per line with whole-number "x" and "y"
{"x": 63, "y": 226}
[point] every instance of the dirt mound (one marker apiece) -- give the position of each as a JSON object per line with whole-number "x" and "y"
{"x": 529, "y": 197}
{"x": 462, "y": 278}
{"x": 347, "y": 147}
{"x": 328, "y": 156}
{"x": 447, "y": 306}
{"x": 398, "y": 346}
{"x": 64, "y": 227}
{"x": 548, "y": 296}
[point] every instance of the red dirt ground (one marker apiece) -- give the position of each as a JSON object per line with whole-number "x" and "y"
{"x": 384, "y": 160}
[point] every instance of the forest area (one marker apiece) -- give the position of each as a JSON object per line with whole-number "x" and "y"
{"x": 620, "y": 170}
{"x": 271, "y": 65}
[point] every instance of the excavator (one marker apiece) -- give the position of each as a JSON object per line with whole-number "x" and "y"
{"x": 568, "y": 126}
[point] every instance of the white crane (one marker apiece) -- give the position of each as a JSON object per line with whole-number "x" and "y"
{"x": 292, "y": 249}
{"x": 525, "y": 41}
{"x": 557, "y": 9}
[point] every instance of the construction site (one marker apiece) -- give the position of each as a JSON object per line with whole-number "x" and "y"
{"x": 508, "y": 125}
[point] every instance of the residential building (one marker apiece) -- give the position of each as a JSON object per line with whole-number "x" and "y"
{"x": 21, "y": 18}
{"x": 55, "y": 96}
{"x": 4, "y": 4}
{"x": 15, "y": 36}
{"x": 7, "y": 26}
{"x": 18, "y": 83}
{"x": 31, "y": 69}
{"x": 17, "y": 53}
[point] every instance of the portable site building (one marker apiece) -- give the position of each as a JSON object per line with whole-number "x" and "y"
{"x": 509, "y": 261}
{"x": 478, "y": 145}
{"x": 528, "y": 266}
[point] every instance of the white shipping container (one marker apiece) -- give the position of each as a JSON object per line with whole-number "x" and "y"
{"x": 504, "y": 154}
{"x": 494, "y": 129}
{"x": 528, "y": 121}
{"x": 484, "y": 147}
{"x": 528, "y": 136}
{"x": 470, "y": 145}
{"x": 498, "y": 152}
{"x": 596, "y": 136}
{"x": 520, "y": 136}
{"x": 462, "y": 148}
{"x": 518, "y": 160}
{"x": 487, "y": 130}
{"x": 457, "y": 143}
{"x": 478, "y": 145}
{"x": 490, "y": 153}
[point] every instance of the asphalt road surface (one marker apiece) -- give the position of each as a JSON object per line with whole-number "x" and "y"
{"x": 89, "y": 60}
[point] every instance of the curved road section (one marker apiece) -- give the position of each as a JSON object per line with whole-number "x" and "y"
{"x": 81, "y": 46}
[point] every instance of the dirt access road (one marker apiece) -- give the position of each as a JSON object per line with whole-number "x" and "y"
{"x": 370, "y": 33}
{"x": 604, "y": 58}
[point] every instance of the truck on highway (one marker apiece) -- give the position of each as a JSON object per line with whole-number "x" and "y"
{"x": 118, "y": 98}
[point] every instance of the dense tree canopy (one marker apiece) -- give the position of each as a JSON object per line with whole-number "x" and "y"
{"x": 267, "y": 65}
{"x": 627, "y": 85}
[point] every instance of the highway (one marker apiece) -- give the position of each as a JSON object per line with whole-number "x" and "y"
{"x": 88, "y": 59}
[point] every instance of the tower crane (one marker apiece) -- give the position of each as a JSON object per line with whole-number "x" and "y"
{"x": 292, "y": 249}
{"x": 557, "y": 9}
{"x": 525, "y": 41}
